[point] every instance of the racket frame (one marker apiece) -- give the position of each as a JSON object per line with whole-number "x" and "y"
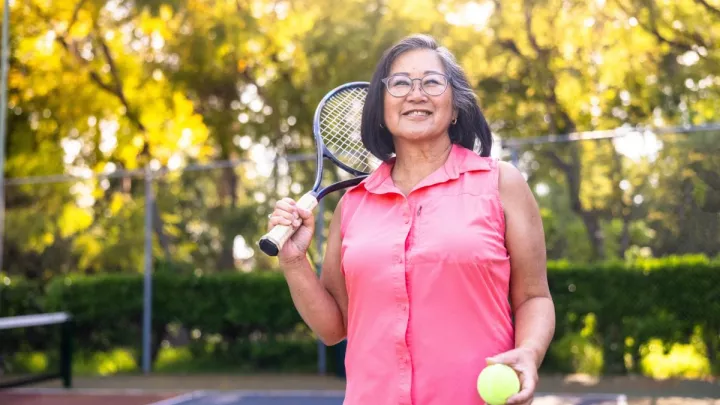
{"x": 274, "y": 240}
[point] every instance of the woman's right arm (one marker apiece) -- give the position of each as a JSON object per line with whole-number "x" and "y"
{"x": 321, "y": 302}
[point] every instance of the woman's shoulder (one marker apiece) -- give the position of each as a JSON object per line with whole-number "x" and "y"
{"x": 510, "y": 178}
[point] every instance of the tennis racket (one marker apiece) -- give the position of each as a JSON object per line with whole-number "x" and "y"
{"x": 336, "y": 128}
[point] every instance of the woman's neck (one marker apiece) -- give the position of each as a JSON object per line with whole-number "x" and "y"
{"x": 415, "y": 162}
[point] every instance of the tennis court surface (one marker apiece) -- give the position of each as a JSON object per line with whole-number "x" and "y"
{"x": 239, "y": 398}
{"x": 28, "y": 396}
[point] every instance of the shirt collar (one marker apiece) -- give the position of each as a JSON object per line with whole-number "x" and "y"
{"x": 459, "y": 161}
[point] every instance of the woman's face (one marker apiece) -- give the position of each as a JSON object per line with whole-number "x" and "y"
{"x": 412, "y": 113}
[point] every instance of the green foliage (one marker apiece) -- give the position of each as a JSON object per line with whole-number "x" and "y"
{"x": 108, "y": 309}
{"x": 662, "y": 299}
{"x": 170, "y": 83}
{"x": 610, "y": 317}
{"x": 577, "y": 352}
{"x": 19, "y": 296}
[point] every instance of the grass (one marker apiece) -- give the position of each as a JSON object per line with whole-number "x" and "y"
{"x": 584, "y": 356}
{"x": 681, "y": 361}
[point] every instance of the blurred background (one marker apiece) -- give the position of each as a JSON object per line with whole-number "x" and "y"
{"x": 176, "y": 124}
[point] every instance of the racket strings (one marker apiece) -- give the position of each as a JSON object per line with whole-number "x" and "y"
{"x": 340, "y": 123}
{"x": 343, "y": 128}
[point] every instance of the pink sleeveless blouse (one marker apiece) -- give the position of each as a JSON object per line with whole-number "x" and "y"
{"x": 427, "y": 277}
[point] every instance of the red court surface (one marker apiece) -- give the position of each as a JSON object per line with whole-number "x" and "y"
{"x": 81, "y": 398}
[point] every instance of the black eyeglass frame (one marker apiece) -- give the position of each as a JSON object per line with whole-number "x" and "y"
{"x": 412, "y": 84}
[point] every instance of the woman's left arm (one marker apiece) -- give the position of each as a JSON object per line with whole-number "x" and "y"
{"x": 532, "y": 305}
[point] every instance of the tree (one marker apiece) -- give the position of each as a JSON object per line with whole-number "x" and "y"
{"x": 175, "y": 83}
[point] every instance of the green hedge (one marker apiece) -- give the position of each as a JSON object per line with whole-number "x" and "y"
{"x": 227, "y": 316}
{"x": 20, "y": 297}
{"x": 673, "y": 300}
{"x": 609, "y": 311}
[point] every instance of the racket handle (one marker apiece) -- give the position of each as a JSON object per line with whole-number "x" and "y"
{"x": 274, "y": 240}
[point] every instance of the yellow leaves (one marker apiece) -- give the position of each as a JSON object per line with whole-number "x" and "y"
{"x": 117, "y": 202}
{"x": 166, "y": 12}
{"x": 138, "y": 141}
{"x": 687, "y": 173}
{"x": 147, "y": 22}
{"x": 73, "y": 220}
{"x": 183, "y": 137}
{"x": 172, "y": 127}
{"x": 83, "y": 25}
{"x": 128, "y": 153}
{"x": 16, "y": 80}
{"x": 89, "y": 247}
{"x": 47, "y": 238}
{"x": 597, "y": 179}
{"x": 36, "y": 48}
{"x": 695, "y": 156}
{"x": 570, "y": 93}
{"x": 422, "y": 13}
{"x": 182, "y": 105}
{"x": 224, "y": 50}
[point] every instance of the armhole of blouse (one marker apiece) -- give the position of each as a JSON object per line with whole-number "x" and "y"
{"x": 343, "y": 205}
{"x": 495, "y": 165}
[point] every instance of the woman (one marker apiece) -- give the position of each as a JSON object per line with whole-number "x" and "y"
{"x": 435, "y": 264}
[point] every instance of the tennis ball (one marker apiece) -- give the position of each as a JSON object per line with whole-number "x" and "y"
{"x": 496, "y": 383}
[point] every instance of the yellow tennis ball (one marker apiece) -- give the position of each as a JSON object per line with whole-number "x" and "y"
{"x": 496, "y": 383}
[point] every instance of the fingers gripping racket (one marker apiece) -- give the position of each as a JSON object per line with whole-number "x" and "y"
{"x": 336, "y": 128}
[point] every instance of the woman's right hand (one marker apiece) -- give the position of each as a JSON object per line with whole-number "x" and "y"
{"x": 288, "y": 213}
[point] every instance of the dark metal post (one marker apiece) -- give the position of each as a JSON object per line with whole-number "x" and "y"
{"x": 66, "y": 352}
{"x": 319, "y": 225}
{"x": 3, "y": 118}
{"x": 147, "y": 287}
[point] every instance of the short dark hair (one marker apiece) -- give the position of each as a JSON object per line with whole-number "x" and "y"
{"x": 471, "y": 129}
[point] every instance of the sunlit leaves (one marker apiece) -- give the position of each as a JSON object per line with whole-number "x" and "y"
{"x": 97, "y": 86}
{"x": 73, "y": 220}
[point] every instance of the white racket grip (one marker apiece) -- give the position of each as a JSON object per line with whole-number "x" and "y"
{"x": 274, "y": 240}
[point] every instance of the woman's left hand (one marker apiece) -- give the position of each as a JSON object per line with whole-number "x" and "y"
{"x": 522, "y": 360}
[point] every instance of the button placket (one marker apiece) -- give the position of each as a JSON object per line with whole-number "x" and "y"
{"x": 402, "y": 304}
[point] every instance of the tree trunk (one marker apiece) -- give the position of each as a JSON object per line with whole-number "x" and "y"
{"x": 624, "y": 236}
{"x": 230, "y": 185}
{"x": 159, "y": 229}
{"x": 595, "y": 234}
{"x": 590, "y": 219}
{"x": 712, "y": 343}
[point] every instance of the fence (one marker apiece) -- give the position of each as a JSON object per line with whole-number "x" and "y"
{"x": 626, "y": 193}
{"x": 604, "y": 195}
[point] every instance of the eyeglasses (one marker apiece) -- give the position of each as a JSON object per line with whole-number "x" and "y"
{"x": 433, "y": 84}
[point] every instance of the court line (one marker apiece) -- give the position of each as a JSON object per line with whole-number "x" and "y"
{"x": 590, "y": 398}
{"x": 180, "y": 399}
{"x": 291, "y": 393}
